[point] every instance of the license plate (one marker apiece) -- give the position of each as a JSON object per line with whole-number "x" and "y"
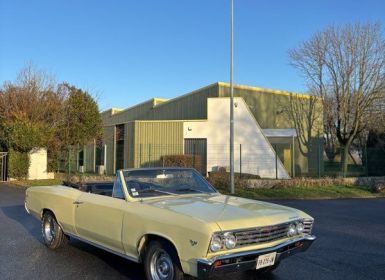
{"x": 266, "y": 260}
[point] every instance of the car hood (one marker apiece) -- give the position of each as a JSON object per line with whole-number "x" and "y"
{"x": 228, "y": 212}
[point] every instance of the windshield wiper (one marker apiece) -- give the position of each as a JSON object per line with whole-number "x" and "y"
{"x": 155, "y": 190}
{"x": 189, "y": 190}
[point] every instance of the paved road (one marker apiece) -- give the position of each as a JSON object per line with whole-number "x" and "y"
{"x": 350, "y": 245}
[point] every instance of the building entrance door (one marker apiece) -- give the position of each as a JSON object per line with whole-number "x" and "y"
{"x": 197, "y": 147}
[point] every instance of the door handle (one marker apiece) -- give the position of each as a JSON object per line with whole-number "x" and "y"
{"x": 78, "y": 202}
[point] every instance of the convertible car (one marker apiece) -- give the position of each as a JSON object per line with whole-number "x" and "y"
{"x": 173, "y": 221}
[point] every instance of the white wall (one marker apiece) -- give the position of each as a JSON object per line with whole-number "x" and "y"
{"x": 258, "y": 156}
{"x": 38, "y": 165}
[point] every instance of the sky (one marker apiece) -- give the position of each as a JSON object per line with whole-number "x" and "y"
{"x": 125, "y": 52}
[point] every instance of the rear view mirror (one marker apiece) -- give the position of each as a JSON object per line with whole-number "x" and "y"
{"x": 164, "y": 176}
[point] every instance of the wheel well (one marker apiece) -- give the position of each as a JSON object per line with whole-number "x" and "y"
{"x": 147, "y": 239}
{"x": 46, "y": 210}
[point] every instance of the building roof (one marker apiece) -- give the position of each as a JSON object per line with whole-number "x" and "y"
{"x": 280, "y": 132}
{"x": 266, "y": 90}
{"x": 162, "y": 101}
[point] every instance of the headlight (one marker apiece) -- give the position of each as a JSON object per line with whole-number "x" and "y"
{"x": 216, "y": 243}
{"x": 229, "y": 240}
{"x": 300, "y": 228}
{"x": 292, "y": 230}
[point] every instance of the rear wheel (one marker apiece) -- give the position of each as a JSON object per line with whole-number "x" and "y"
{"x": 53, "y": 235}
{"x": 161, "y": 262}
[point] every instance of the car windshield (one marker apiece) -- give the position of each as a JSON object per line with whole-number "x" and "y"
{"x": 157, "y": 182}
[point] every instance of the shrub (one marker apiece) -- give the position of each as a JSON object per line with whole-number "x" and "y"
{"x": 221, "y": 179}
{"x": 190, "y": 161}
{"x": 378, "y": 186}
{"x": 18, "y": 164}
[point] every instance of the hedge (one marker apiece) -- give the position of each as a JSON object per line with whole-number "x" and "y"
{"x": 191, "y": 161}
{"x": 18, "y": 164}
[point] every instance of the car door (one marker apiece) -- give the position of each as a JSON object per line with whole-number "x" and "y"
{"x": 98, "y": 218}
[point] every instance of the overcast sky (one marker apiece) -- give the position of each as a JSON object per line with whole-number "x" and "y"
{"x": 130, "y": 51}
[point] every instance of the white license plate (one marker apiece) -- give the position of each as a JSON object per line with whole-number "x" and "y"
{"x": 266, "y": 260}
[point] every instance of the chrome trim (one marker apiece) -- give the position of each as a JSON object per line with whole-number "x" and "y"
{"x": 261, "y": 234}
{"x": 26, "y": 207}
{"x": 259, "y": 251}
{"x": 133, "y": 259}
{"x": 273, "y": 225}
{"x": 308, "y": 226}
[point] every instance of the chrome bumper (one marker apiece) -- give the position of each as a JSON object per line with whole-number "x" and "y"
{"x": 242, "y": 261}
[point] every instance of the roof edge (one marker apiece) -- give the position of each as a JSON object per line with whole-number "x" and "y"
{"x": 268, "y": 90}
{"x": 187, "y": 94}
{"x": 119, "y": 110}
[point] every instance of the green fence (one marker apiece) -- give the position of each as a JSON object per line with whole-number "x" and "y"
{"x": 311, "y": 162}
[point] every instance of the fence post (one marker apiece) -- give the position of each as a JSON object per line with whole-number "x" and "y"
{"x": 69, "y": 161}
{"x": 366, "y": 161}
{"x": 140, "y": 155}
{"x": 162, "y": 157}
{"x": 293, "y": 158}
{"x": 318, "y": 155}
{"x": 276, "y": 161}
{"x": 240, "y": 161}
{"x": 149, "y": 155}
{"x": 343, "y": 171}
{"x": 194, "y": 155}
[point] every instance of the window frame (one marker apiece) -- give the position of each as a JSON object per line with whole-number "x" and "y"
{"x": 118, "y": 179}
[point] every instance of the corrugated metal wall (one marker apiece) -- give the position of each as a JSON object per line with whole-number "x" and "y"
{"x": 109, "y": 141}
{"x": 154, "y": 139}
{"x": 139, "y": 111}
{"x": 192, "y": 106}
{"x": 129, "y": 145}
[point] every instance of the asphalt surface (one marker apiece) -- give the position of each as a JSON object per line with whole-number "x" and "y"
{"x": 350, "y": 245}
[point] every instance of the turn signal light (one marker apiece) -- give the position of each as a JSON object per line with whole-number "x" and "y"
{"x": 217, "y": 263}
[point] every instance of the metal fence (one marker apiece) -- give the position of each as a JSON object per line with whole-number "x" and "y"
{"x": 257, "y": 161}
{"x": 362, "y": 161}
{"x": 3, "y": 166}
{"x": 279, "y": 160}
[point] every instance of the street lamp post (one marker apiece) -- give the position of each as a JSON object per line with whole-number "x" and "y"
{"x": 232, "y": 187}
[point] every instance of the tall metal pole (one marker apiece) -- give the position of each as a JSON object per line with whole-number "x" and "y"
{"x": 232, "y": 185}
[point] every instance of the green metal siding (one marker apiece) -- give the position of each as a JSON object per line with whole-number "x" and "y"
{"x": 155, "y": 139}
{"x": 192, "y": 106}
{"x": 129, "y": 145}
{"x": 109, "y": 141}
{"x": 263, "y": 105}
{"x": 139, "y": 111}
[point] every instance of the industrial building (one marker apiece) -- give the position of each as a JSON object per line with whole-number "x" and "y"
{"x": 198, "y": 123}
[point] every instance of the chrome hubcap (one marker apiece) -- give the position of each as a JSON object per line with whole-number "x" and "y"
{"x": 49, "y": 229}
{"x": 161, "y": 266}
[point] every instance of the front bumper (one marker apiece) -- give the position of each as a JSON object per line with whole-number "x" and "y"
{"x": 243, "y": 261}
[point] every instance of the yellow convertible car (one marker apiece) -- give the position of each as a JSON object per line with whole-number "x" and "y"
{"x": 173, "y": 221}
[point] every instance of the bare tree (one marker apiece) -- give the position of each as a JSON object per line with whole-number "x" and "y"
{"x": 305, "y": 114}
{"x": 346, "y": 67}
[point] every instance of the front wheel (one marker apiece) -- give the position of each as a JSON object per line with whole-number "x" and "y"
{"x": 53, "y": 235}
{"x": 161, "y": 262}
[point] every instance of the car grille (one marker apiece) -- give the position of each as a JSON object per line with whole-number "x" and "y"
{"x": 308, "y": 223}
{"x": 266, "y": 234}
